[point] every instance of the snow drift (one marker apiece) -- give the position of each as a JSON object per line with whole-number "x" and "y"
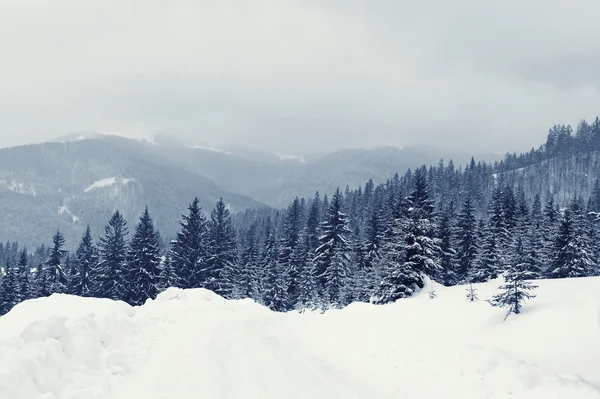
{"x": 193, "y": 343}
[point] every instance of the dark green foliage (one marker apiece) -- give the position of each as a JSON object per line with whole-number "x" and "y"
{"x": 111, "y": 270}
{"x": 143, "y": 262}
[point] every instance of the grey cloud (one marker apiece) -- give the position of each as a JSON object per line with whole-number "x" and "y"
{"x": 300, "y": 76}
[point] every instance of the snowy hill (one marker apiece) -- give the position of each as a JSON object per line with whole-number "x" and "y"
{"x": 66, "y": 185}
{"x": 193, "y": 343}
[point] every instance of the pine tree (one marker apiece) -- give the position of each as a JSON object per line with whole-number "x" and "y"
{"x": 222, "y": 263}
{"x": 247, "y": 284}
{"x": 8, "y": 290}
{"x": 189, "y": 251}
{"x": 290, "y": 254}
{"x": 332, "y": 256}
{"x": 472, "y": 293}
{"x": 42, "y": 286}
{"x": 466, "y": 232}
{"x": 413, "y": 254}
{"x": 55, "y": 269}
{"x": 24, "y": 289}
{"x": 86, "y": 262}
{"x": 448, "y": 274}
{"x": 143, "y": 266}
{"x": 515, "y": 291}
{"x": 168, "y": 277}
{"x": 275, "y": 295}
{"x": 572, "y": 256}
{"x": 110, "y": 281}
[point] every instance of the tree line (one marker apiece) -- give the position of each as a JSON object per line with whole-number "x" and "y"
{"x": 376, "y": 244}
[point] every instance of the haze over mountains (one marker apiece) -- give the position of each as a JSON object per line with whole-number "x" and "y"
{"x": 83, "y": 178}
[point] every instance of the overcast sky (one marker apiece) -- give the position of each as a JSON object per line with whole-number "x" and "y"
{"x": 294, "y": 76}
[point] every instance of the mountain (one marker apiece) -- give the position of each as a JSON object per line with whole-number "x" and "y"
{"x": 66, "y": 185}
{"x": 83, "y": 177}
{"x": 276, "y": 179}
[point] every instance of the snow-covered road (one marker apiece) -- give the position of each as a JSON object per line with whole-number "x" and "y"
{"x": 194, "y": 344}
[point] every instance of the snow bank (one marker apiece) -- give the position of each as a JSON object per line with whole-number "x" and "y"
{"x": 193, "y": 343}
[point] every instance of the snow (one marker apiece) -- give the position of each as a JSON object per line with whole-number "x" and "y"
{"x": 291, "y": 157}
{"x": 65, "y": 210}
{"x": 208, "y": 148}
{"x": 107, "y": 182}
{"x": 194, "y": 343}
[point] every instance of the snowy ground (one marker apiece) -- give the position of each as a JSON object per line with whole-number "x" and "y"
{"x": 194, "y": 344}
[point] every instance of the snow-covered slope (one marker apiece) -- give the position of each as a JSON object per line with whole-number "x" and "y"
{"x": 190, "y": 344}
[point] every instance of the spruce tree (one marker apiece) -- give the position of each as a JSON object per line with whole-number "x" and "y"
{"x": 448, "y": 275}
{"x": 414, "y": 253}
{"x": 467, "y": 245}
{"x": 86, "y": 262}
{"x": 247, "y": 281}
{"x": 290, "y": 252}
{"x": 222, "y": 262}
{"x": 516, "y": 290}
{"x": 24, "y": 289}
{"x": 55, "y": 268}
{"x": 332, "y": 255}
{"x": 143, "y": 266}
{"x": 572, "y": 255}
{"x": 9, "y": 289}
{"x": 189, "y": 251}
{"x": 112, "y": 265}
{"x": 275, "y": 295}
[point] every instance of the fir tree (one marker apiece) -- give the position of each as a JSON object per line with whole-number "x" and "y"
{"x": 86, "y": 262}
{"x": 143, "y": 267}
{"x": 572, "y": 256}
{"x": 332, "y": 257}
{"x": 55, "y": 269}
{"x": 515, "y": 291}
{"x": 472, "y": 293}
{"x": 189, "y": 251}
{"x": 448, "y": 274}
{"x": 222, "y": 262}
{"x": 275, "y": 295}
{"x": 414, "y": 254}
{"x": 247, "y": 284}
{"x": 24, "y": 289}
{"x": 290, "y": 253}
{"x": 9, "y": 289}
{"x": 466, "y": 232}
{"x": 110, "y": 281}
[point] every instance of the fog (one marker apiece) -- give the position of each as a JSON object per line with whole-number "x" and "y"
{"x": 299, "y": 76}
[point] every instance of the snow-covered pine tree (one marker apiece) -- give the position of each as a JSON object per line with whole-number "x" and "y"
{"x": 55, "y": 268}
{"x": 143, "y": 266}
{"x": 290, "y": 256}
{"x": 332, "y": 256}
{"x": 9, "y": 288}
{"x": 369, "y": 275}
{"x": 448, "y": 256}
{"x": 168, "y": 277}
{"x": 516, "y": 290}
{"x": 275, "y": 294}
{"x": 86, "y": 262}
{"x": 189, "y": 251}
{"x": 413, "y": 253}
{"x": 42, "y": 287}
{"x": 467, "y": 240}
{"x": 24, "y": 289}
{"x": 247, "y": 281}
{"x": 471, "y": 293}
{"x": 110, "y": 280}
{"x": 571, "y": 257}
{"x": 223, "y": 255}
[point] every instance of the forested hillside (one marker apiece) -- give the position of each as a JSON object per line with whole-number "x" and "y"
{"x": 533, "y": 214}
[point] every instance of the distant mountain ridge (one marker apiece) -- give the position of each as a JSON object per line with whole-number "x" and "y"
{"x": 83, "y": 177}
